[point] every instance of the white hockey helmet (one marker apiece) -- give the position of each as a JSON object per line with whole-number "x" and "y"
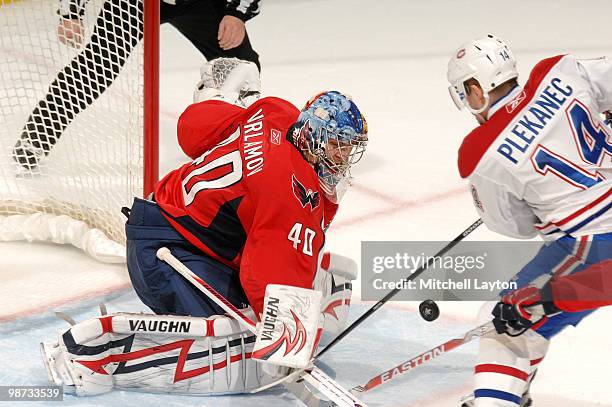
{"x": 230, "y": 79}
{"x": 488, "y": 60}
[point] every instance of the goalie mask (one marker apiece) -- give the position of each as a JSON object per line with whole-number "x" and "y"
{"x": 332, "y": 135}
{"x": 487, "y": 60}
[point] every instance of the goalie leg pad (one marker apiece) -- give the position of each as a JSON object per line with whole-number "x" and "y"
{"x": 155, "y": 353}
{"x": 334, "y": 279}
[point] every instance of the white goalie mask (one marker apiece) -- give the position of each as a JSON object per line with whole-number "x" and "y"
{"x": 487, "y": 60}
{"x": 230, "y": 79}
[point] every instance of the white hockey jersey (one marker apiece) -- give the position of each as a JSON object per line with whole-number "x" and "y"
{"x": 542, "y": 163}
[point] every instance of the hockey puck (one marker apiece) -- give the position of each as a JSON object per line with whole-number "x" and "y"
{"x": 429, "y": 310}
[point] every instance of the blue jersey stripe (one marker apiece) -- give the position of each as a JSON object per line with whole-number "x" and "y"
{"x": 590, "y": 218}
{"x": 498, "y": 394}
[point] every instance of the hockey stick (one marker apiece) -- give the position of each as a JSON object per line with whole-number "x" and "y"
{"x": 314, "y": 376}
{"x": 409, "y": 365}
{"x": 423, "y": 358}
{"x": 391, "y": 294}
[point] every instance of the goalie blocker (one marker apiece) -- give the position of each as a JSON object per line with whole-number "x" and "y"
{"x": 289, "y": 331}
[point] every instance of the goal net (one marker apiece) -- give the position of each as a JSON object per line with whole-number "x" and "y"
{"x": 72, "y": 114}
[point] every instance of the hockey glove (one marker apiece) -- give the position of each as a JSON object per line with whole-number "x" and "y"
{"x": 523, "y": 309}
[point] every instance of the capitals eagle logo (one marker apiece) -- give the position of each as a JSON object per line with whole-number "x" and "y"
{"x": 303, "y": 195}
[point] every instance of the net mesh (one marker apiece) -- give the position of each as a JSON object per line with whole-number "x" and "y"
{"x": 72, "y": 114}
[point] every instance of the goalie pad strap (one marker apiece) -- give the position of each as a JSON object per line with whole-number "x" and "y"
{"x": 171, "y": 326}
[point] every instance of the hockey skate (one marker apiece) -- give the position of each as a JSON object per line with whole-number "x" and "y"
{"x": 54, "y": 363}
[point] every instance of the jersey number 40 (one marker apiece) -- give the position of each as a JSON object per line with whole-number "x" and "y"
{"x": 231, "y": 160}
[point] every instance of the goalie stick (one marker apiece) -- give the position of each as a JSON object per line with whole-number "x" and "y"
{"x": 391, "y": 294}
{"x": 312, "y": 375}
{"x": 423, "y": 358}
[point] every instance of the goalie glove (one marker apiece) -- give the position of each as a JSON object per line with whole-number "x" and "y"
{"x": 229, "y": 79}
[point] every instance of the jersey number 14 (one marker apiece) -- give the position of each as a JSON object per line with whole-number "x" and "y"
{"x": 592, "y": 143}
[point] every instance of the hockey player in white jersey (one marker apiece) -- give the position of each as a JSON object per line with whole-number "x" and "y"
{"x": 540, "y": 163}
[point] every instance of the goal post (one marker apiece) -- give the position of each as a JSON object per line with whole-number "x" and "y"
{"x": 151, "y": 95}
{"x": 78, "y": 119}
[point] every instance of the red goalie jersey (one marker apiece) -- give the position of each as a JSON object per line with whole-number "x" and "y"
{"x": 249, "y": 199}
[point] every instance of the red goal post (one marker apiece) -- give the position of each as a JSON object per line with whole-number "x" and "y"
{"x": 79, "y": 119}
{"x": 151, "y": 95}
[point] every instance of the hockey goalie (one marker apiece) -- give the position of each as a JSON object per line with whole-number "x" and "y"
{"x": 248, "y": 217}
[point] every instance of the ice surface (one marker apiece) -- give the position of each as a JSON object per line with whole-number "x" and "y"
{"x": 391, "y": 56}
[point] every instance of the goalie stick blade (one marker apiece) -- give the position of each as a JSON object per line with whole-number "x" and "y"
{"x": 306, "y": 396}
{"x": 289, "y": 378}
{"x": 320, "y": 381}
{"x": 330, "y": 388}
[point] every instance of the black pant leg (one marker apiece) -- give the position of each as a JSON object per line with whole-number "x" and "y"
{"x": 117, "y": 30}
{"x": 199, "y": 22}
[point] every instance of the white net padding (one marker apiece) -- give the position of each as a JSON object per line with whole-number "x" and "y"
{"x": 62, "y": 229}
{"x": 71, "y": 119}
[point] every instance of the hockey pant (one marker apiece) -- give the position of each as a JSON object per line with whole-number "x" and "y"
{"x": 505, "y": 363}
{"x": 161, "y": 287}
